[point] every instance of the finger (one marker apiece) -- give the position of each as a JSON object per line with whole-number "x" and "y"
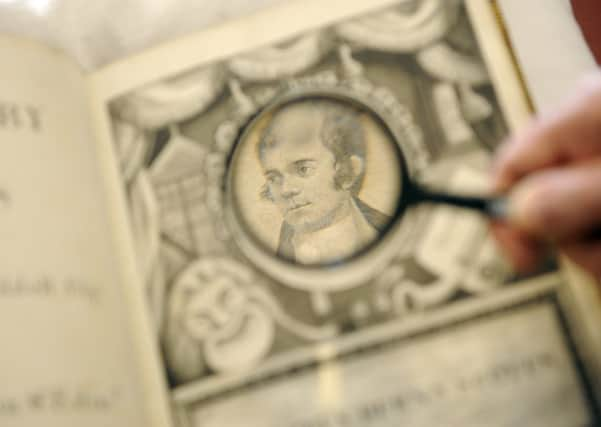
{"x": 571, "y": 134}
{"x": 559, "y": 204}
{"x": 523, "y": 252}
{"x": 586, "y": 255}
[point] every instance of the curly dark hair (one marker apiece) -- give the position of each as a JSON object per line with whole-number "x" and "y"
{"x": 341, "y": 132}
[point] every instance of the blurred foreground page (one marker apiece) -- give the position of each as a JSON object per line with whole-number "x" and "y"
{"x": 68, "y": 356}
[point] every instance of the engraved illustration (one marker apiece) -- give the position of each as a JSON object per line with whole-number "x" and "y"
{"x": 216, "y": 204}
{"x": 313, "y": 157}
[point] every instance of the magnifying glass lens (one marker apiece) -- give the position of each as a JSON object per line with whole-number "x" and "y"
{"x": 316, "y": 180}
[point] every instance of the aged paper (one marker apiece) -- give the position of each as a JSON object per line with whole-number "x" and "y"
{"x": 260, "y": 165}
{"x": 69, "y": 355}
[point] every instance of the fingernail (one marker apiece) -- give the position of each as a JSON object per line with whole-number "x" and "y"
{"x": 526, "y": 207}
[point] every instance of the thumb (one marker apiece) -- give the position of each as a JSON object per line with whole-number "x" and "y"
{"x": 560, "y": 204}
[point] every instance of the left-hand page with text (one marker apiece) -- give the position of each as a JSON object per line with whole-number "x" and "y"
{"x": 69, "y": 355}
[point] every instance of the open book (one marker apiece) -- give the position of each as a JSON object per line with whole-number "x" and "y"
{"x": 212, "y": 233}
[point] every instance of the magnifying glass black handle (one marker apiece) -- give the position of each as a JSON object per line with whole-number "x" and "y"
{"x": 493, "y": 207}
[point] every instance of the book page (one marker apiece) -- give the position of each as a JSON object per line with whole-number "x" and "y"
{"x": 551, "y": 70}
{"x": 262, "y": 168}
{"x": 69, "y": 353}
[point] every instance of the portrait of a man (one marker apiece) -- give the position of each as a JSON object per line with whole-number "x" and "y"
{"x": 313, "y": 157}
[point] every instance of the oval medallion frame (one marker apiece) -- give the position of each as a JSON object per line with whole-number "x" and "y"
{"x": 393, "y": 117}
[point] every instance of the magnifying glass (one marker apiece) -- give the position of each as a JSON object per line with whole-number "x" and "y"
{"x": 281, "y": 153}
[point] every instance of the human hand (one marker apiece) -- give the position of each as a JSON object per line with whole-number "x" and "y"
{"x": 552, "y": 172}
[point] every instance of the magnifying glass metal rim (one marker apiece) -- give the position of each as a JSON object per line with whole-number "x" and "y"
{"x": 361, "y": 265}
{"x": 322, "y": 277}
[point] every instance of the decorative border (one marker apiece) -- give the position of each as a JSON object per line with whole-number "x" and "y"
{"x": 529, "y": 292}
{"x": 355, "y": 88}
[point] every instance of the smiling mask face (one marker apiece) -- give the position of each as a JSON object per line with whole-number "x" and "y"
{"x": 236, "y": 332}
